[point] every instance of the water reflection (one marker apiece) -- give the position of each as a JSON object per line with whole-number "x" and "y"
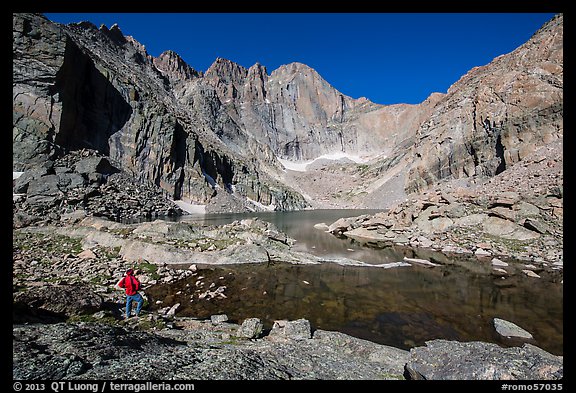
{"x": 299, "y": 225}
{"x": 402, "y": 307}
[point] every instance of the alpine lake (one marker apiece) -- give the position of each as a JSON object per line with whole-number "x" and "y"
{"x": 402, "y": 307}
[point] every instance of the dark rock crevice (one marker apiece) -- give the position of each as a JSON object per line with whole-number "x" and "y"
{"x": 92, "y": 108}
{"x": 215, "y": 168}
{"x": 500, "y": 155}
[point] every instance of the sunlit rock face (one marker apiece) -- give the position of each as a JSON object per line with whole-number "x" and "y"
{"x": 495, "y": 115}
{"x": 219, "y": 134}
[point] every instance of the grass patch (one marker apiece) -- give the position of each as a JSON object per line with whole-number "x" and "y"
{"x": 89, "y": 318}
{"x": 48, "y": 242}
{"x": 145, "y": 324}
{"x": 110, "y": 253}
{"x": 148, "y": 268}
{"x": 510, "y": 244}
{"x": 121, "y": 231}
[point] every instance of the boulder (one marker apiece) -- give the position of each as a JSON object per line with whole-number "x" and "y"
{"x": 250, "y": 328}
{"x": 506, "y": 199}
{"x": 363, "y": 234}
{"x": 453, "y": 360}
{"x": 341, "y": 225}
{"x": 536, "y": 225}
{"x": 21, "y": 183}
{"x": 219, "y": 318}
{"x": 509, "y": 329}
{"x": 95, "y": 165}
{"x": 292, "y": 330}
{"x": 56, "y": 301}
{"x": 506, "y": 229}
{"x": 43, "y": 191}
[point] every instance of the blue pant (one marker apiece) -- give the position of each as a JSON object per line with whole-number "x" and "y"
{"x": 134, "y": 298}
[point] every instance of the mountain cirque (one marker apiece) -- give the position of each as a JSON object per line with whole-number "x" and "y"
{"x": 62, "y": 333}
{"x": 237, "y": 139}
{"x": 101, "y": 128}
{"x": 223, "y": 132}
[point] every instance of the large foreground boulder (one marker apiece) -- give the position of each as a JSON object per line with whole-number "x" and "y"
{"x": 55, "y": 302}
{"x": 453, "y": 360}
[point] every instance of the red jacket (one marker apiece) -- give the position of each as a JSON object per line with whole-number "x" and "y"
{"x": 130, "y": 283}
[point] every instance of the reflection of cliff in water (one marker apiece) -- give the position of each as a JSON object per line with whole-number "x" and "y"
{"x": 402, "y": 307}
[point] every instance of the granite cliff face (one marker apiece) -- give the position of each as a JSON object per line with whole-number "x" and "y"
{"x": 495, "y": 115}
{"x": 78, "y": 86}
{"x": 218, "y": 138}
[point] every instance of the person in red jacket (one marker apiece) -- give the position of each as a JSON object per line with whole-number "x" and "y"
{"x": 131, "y": 284}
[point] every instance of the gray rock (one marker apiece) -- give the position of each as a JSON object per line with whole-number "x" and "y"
{"x": 536, "y": 225}
{"x": 95, "y": 164}
{"x": 70, "y": 180}
{"x": 250, "y": 328}
{"x": 172, "y": 311}
{"x": 60, "y": 301}
{"x": 530, "y": 273}
{"x": 341, "y": 225}
{"x": 471, "y": 219}
{"x": 506, "y": 199}
{"x": 439, "y": 224}
{"x": 96, "y": 351}
{"x": 216, "y": 319}
{"x": 294, "y": 330}
{"x": 452, "y": 360}
{"x": 506, "y": 229}
{"x": 43, "y": 191}
{"x": 498, "y": 262}
{"x": 525, "y": 209}
{"x": 34, "y": 173}
{"x": 509, "y": 329}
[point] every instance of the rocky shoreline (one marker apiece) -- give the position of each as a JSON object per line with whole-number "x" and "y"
{"x": 106, "y": 135}
{"x": 80, "y": 335}
{"x": 505, "y": 219}
{"x": 65, "y": 236}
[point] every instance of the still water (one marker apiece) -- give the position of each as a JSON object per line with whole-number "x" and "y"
{"x": 403, "y": 306}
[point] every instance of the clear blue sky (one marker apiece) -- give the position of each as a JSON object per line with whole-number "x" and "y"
{"x": 389, "y": 58}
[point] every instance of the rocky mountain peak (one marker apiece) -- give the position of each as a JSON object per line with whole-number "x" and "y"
{"x": 226, "y": 70}
{"x": 114, "y": 33}
{"x": 85, "y": 25}
{"x": 172, "y": 65}
{"x": 255, "y": 86}
{"x": 291, "y": 70}
{"x": 258, "y": 69}
{"x": 98, "y": 88}
{"x": 227, "y": 78}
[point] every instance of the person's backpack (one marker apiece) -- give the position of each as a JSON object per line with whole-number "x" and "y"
{"x": 135, "y": 283}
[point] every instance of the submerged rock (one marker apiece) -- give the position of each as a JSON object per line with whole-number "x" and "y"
{"x": 509, "y": 329}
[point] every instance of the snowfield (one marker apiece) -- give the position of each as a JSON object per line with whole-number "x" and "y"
{"x": 301, "y": 166}
{"x": 190, "y": 208}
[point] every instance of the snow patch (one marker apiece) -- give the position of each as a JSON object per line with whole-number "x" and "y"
{"x": 301, "y": 166}
{"x": 191, "y": 208}
{"x": 269, "y": 208}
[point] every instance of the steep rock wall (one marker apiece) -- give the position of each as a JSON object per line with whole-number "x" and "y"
{"x": 494, "y": 115}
